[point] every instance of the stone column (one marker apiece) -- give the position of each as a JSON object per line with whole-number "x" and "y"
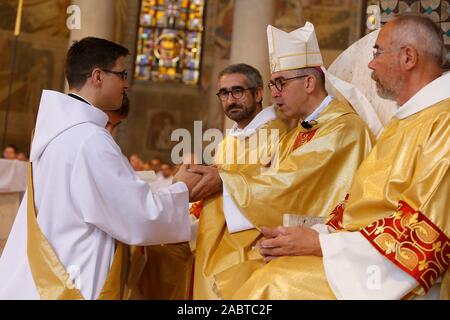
{"x": 249, "y": 41}
{"x": 97, "y": 19}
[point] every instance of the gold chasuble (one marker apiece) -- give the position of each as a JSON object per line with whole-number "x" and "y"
{"x": 217, "y": 249}
{"x": 51, "y": 279}
{"x": 399, "y": 201}
{"x": 314, "y": 173}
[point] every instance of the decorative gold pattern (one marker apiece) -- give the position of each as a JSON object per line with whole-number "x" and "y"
{"x": 411, "y": 241}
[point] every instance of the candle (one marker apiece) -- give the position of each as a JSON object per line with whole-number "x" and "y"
{"x": 18, "y": 18}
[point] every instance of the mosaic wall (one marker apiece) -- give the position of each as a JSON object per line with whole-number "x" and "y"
{"x": 437, "y": 10}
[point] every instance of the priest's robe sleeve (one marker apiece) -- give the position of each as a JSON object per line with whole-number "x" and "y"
{"x": 110, "y": 196}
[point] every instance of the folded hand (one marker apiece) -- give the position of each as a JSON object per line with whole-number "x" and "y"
{"x": 292, "y": 241}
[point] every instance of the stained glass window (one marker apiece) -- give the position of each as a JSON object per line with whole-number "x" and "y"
{"x": 170, "y": 39}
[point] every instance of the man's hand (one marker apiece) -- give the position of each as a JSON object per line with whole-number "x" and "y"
{"x": 189, "y": 178}
{"x": 210, "y": 184}
{"x": 293, "y": 241}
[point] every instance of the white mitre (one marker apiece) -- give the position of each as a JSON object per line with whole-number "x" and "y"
{"x": 300, "y": 49}
{"x": 295, "y": 50}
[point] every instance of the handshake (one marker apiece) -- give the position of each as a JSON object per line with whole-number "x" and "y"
{"x": 202, "y": 181}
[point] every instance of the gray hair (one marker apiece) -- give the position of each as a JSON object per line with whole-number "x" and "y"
{"x": 254, "y": 78}
{"x": 422, "y": 33}
{"x": 313, "y": 71}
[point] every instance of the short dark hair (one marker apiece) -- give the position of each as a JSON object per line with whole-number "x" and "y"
{"x": 254, "y": 78}
{"x": 316, "y": 72}
{"x": 90, "y": 53}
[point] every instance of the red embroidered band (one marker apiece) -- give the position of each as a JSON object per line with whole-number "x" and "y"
{"x": 414, "y": 243}
{"x": 302, "y": 138}
{"x": 196, "y": 209}
{"x": 336, "y": 216}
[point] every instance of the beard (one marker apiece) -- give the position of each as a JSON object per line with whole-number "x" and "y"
{"x": 243, "y": 113}
{"x": 391, "y": 90}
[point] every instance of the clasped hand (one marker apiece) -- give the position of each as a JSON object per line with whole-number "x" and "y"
{"x": 202, "y": 181}
{"x": 291, "y": 241}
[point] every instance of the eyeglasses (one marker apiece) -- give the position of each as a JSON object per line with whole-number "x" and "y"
{"x": 236, "y": 92}
{"x": 122, "y": 74}
{"x": 279, "y": 83}
{"x": 377, "y": 52}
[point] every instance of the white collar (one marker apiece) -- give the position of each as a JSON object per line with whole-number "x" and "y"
{"x": 81, "y": 98}
{"x": 266, "y": 115}
{"x": 434, "y": 92}
{"x": 313, "y": 116}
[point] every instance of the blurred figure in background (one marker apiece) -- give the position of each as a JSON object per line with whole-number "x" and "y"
{"x": 166, "y": 172}
{"x": 155, "y": 165}
{"x": 10, "y": 152}
{"x": 22, "y": 156}
{"x": 136, "y": 162}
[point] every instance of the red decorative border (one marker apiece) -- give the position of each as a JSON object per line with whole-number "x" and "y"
{"x": 196, "y": 209}
{"x": 414, "y": 243}
{"x": 337, "y": 215}
{"x": 302, "y": 138}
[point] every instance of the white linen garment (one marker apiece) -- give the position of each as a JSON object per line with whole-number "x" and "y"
{"x": 13, "y": 176}
{"x": 86, "y": 196}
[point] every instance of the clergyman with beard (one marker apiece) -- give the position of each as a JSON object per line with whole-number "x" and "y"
{"x": 240, "y": 91}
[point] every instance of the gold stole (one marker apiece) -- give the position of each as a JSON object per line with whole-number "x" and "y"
{"x": 50, "y": 277}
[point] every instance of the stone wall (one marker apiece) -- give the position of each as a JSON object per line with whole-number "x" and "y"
{"x": 39, "y": 63}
